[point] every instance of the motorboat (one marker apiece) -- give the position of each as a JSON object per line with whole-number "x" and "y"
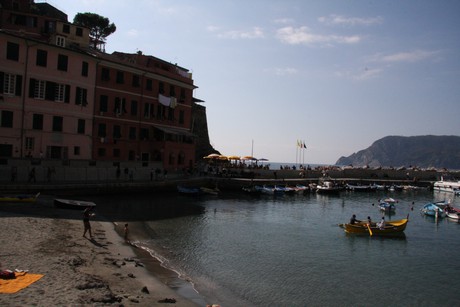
{"x": 451, "y": 186}
{"x": 73, "y": 204}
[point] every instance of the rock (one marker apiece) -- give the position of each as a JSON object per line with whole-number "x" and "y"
{"x": 131, "y": 275}
{"x": 145, "y": 290}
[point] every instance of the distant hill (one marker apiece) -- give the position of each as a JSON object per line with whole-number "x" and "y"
{"x": 421, "y": 151}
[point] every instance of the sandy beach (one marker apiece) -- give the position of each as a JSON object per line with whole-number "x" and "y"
{"x": 77, "y": 271}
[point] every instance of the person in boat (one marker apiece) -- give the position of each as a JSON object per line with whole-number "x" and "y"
{"x": 353, "y": 220}
{"x": 381, "y": 224}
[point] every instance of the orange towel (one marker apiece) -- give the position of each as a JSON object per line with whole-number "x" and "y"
{"x": 21, "y": 281}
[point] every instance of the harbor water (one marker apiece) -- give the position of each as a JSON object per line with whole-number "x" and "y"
{"x": 239, "y": 250}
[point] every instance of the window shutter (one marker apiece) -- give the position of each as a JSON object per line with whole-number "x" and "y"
{"x": 50, "y": 90}
{"x": 31, "y": 88}
{"x": 2, "y": 76}
{"x": 18, "y": 90}
{"x": 67, "y": 94}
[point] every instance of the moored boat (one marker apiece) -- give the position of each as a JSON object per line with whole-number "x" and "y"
{"x": 392, "y": 228}
{"x": 73, "y": 204}
{"x": 446, "y": 185}
{"x": 452, "y": 213}
{"x": 435, "y": 209}
{"x": 328, "y": 187}
{"x": 22, "y": 198}
{"x": 188, "y": 190}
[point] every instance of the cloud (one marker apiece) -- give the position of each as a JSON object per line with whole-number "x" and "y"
{"x": 283, "y": 21}
{"x": 256, "y": 32}
{"x": 212, "y": 28}
{"x": 133, "y": 33}
{"x": 350, "y": 21}
{"x": 407, "y": 57}
{"x": 285, "y": 71}
{"x": 302, "y": 35}
{"x": 365, "y": 74}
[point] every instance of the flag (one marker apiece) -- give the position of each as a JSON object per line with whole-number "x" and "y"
{"x": 299, "y": 143}
{"x": 304, "y": 146}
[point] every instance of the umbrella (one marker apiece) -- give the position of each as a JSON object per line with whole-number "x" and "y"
{"x": 249, "y": 158}
{"x": 263, "y": 159}
{"x": 213, "y": 156}
{"x": 233, "y": 157}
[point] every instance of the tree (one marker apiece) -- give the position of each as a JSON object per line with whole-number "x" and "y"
{"x": 100, "y": 27}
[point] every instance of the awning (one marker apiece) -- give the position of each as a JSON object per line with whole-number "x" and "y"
{"x": 178, "y": 131}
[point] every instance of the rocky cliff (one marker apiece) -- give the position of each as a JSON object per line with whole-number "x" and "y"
{"x": 421, "y": 151}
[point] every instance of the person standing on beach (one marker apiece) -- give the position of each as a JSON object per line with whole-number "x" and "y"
{"x": 126, "y": 233}
{"x": 86, "y": 215}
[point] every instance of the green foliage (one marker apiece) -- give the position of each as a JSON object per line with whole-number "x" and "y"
{"x": 100, "y": 27}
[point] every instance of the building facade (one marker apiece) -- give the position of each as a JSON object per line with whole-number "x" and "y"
{"x": 60, "y": 99}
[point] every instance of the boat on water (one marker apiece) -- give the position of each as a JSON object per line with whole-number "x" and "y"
{"x": 387, "y": 205}
{"x": 73, "y": 204}
{"x": 435, "y": 209}
{"x": 328, "y": 187}
{"x": 392, "y": 228}
{"x": 188, "y": 190}
{"x": 447, "y": 185}
{"x": 21, "y": 198}
{"x": 361, "y": 188}
{"x": 452, "y": 213}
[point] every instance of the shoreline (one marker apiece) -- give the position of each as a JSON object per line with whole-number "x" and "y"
{"x": 78, "y": 271}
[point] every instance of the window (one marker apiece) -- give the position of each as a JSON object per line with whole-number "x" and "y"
{"x": 120, "y": 77}
{"x": 42, "y": 57}
{"x": 120, "y": 106}
{"x": 134, "y": 107}
{"x": 172, "y": 91}
{"x": 81, "y": 126}
{"x": 181, "y": 117}
{"x": 116, "y": 152}
{"x": 148, "y": 110}
{"x": 103, "y": 103}
{"x": 79, "y": 32}
{"x": 101, "y": 131}
{"x": 149, "y": 85}
{"x": 39, "y": 89}
{"x": 12, "y": 51}
{"x": 116, "y": 132}
{"x": 136, "y": 81}
{"x": 60, "y": 92}
{"x": 144, "y": 134}
{"x": 30, "y": 144}
{"x": 62, "y": 62}
{"x": 161, "y": 88}
{"x": 182, "y": 95}
{"x": 60, "y": 41}
{"x": 161, "y": 111}
{"x": 101, "y": 152}
{"x": 84, "y": 69}
{"x": 37, "y": 122}
{"x": 80, "y": 97}
{"x": 132, "y": 133}
{"x": 6, "y": 120}
{"x": 76, "y": 150}
{"x": 9, "y": 82}
{"x": 105, "y": 74}
{"x": 57, "y": 123}
{"x": 170, "y": 114}
{"x": 66, "y": 28}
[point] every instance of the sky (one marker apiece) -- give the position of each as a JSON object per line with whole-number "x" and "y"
{"x": 336, "y": 75}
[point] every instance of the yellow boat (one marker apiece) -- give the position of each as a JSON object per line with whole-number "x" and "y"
{"x": 22, "y": 198}
{"x": 391, "y": 228}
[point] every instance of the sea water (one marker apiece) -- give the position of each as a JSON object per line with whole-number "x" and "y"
{"x": 290, "y": 250}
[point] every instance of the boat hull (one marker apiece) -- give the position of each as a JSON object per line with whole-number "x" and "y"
{"x": 21, "y": 198}
{"x": 73, "y": 204}
{"x": 391, "y": 228}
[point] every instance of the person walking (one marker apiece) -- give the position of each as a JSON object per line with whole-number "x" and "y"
{"x": 86, "y": 215}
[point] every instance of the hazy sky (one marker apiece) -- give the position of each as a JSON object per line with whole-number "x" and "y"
{"x": 338, "y": 75}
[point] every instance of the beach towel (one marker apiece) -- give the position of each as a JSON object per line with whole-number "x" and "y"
{"x": 22, "y": 280}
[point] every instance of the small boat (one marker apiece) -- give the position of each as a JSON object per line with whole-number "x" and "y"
{"x": 252, "y": 190}
{"x": 361, "y": 188}
{"x": 435, "y": 209}
{"x": 452, "y": 213}
{"x": 387, "y": 205}
{"x": 212, "y": 191}
{"x": 328, "y": 187}
{"x": 20, "y": 198}
{"x": 73, "y": 204}
{"x": 392, "y": 228}
{"x": 188, "y": 190}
